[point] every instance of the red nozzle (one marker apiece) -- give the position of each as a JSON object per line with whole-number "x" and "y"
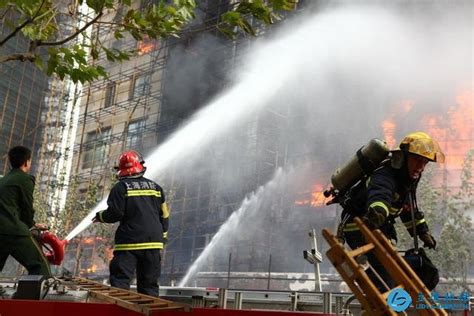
{"x": 53, "y": 247}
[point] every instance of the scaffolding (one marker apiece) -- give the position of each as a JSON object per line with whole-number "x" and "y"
{"x": 23, "y": 88}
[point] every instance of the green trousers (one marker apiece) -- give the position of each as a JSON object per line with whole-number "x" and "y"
{"x": 26, "y": 251}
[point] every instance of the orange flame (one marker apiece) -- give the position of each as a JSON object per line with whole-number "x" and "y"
{"x": 453, "y": 130}
{"x": 146, "y": 46}
{"x": 94, "y": 263}
{"x": 455, "y": 133}
{"x": 389, "y": 125}
{"x": 317, "y": 198}
{"x": 89, "y": 240}
{"x": 92, "y": 269}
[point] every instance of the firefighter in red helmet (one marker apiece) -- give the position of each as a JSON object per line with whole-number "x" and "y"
{"x": 139, "y": 205}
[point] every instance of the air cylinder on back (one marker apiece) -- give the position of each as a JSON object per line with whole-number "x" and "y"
{"x": 361, "y": 164}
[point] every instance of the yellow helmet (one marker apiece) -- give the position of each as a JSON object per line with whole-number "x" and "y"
{"x": 420, "y": 143}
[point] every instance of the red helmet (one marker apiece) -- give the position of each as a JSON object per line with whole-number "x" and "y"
{"x": 130, "y": 163}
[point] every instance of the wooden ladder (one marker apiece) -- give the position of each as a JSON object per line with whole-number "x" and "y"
{"x": 141, "y": 303}
{"x": 373, "y": 301}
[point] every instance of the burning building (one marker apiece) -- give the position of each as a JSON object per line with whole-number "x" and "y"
{"x": 245, "y": 185}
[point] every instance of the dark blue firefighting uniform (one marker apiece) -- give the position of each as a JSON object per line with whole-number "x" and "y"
{"x": 388, "y": 190}
{"x": 139, "y": 204}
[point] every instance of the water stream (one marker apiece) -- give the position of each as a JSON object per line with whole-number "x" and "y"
{"x": 250, "y": 205}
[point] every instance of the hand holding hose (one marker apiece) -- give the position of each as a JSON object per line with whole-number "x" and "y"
{"x": 40, "y": 226}
{"x": 374, "y": 218}
{"x": 429, "y": 241}
{"x": 96, "y": 218}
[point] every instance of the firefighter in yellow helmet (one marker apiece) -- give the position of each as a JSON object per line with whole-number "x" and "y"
{"x": 390, "y": 192}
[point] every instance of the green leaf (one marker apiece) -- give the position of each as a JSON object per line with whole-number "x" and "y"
{"x": 39, "y": 62}
{"x": 231, "y": 17}
{"x": 101, "y": 71}
{"x": 118, "y": 34}
{"x": 94, "y": 52}
{"x": 53, "y": 61}
{"x": 96, "y": 5}
{"x": 109, "y": 55}
{"x": 286, "y": 5}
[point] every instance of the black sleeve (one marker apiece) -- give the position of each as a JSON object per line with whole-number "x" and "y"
{"x": 380, "y": 191}
{"x": 116, "y": 205}
{"x": 420, "y": 222}
{"x": 27, "y": 211}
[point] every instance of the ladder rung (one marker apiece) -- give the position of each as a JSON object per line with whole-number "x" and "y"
{"x": 130, "y": 298}
{"x": 94, "y": 288}
{"x": 104, "y": 290}
{"x": 361, "y": 250}
{"x": 140, "y": 300}
{"x": 107, "y": 291}
{"x": 120, "y": 295}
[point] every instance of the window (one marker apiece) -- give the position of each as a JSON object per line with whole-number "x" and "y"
{"x": 109, "y": 94}
{"x": 140, "y": 86}
{"x": 96, "y": 147}
{"x": 134, "y": 135}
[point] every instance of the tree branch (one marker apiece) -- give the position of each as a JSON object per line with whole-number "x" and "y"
{"x": 21, "y": 57}
{"x": 111, "y": 23}
{"x": 72, "y": 36}
{"x": 18, "y": 28}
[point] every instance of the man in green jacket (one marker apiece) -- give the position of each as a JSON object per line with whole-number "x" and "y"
{"x": 16, "y": 215}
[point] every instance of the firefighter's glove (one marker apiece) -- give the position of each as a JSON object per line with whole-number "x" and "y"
{"x": 96, "y": 219}
{"x": 374, "y": 218}
{"x": 41, "y": 226}
{"x": 165, "y": 237}
{"x": 36, "y": 233}
{"x": 428, "y": 240}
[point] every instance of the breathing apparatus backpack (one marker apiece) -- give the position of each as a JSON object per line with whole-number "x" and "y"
{"x": 358, "y": 168}
{"x": 348, "y": 181}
